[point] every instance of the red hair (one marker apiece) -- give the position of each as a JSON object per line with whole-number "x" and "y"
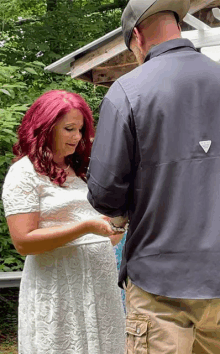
{"x": 35, "y": 134}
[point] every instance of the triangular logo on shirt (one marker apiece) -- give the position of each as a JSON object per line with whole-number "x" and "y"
{"x": 205, "y": 145}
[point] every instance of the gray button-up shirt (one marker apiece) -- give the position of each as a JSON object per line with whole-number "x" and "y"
{"x": 156, "y": 156}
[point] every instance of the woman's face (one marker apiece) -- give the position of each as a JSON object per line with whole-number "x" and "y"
{"x": 67, "y": 133}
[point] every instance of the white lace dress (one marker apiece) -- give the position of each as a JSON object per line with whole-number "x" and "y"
{"x": 69, "y": 299}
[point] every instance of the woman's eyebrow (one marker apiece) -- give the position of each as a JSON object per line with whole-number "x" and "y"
{"x": 69, "y": 124}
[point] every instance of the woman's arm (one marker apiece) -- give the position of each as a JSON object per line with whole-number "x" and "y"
{"x": 29, "y": 239}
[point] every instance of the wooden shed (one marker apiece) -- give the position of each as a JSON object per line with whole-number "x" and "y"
{"x": 107, "y": 58}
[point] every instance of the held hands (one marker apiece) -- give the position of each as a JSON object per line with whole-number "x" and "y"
{"x": 116, "y": 235}
{"x": 101, "y": 226}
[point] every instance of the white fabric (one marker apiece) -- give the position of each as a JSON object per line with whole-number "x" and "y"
{"x": 69, "y": 300}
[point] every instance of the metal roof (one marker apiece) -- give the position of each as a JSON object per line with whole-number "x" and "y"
{"x": 62, "y": 66}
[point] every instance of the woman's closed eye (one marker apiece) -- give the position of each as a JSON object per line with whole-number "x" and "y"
{"x": 72, "y": 129}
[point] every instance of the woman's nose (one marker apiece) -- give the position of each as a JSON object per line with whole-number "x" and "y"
{"x": 78, "y": 135}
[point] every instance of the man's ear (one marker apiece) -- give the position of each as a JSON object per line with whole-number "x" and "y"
{"x": 138, "y": 37}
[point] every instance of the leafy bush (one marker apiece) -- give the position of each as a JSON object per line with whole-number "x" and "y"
{"x": 12, "y": 86}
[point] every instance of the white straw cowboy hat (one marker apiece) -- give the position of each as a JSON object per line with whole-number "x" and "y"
{"x": 138, "y": 10}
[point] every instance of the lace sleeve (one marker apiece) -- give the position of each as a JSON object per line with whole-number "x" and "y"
{"x": 20, "y": 194}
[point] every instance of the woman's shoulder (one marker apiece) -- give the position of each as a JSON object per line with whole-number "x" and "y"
{"x": 20, "y": 170}
{"x": 23, "y": 164}
{"x": 20, "y": 192}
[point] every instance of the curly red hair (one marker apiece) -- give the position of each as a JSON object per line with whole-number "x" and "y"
{"x": 35, "y": 134}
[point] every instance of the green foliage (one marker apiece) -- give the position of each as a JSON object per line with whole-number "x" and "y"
{"x": 12, "y": 87}
{"x": 55, "y": 33}
{"x": 11, "y": 10}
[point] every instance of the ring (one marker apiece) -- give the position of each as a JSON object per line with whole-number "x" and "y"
{"x": 118, "y": 229}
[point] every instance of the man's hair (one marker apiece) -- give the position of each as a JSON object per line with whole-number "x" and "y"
{"x": 176, "y": 17}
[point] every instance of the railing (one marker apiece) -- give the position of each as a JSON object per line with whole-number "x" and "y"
{"x": 10, "y": 279}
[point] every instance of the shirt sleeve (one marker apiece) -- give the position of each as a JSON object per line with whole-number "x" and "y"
{"x": 110, "y": 169}
{"x": 20, "y": 193}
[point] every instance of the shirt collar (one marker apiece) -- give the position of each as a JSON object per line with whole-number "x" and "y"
{"x": 169, "y": 45}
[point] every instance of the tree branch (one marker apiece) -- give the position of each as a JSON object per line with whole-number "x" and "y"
{"x": 26, "y": 20}
{"x": 118, "y": 4}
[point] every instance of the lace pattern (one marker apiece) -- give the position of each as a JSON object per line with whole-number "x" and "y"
{"x": 69, "y": 300}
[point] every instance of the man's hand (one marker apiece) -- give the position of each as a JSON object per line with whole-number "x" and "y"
{"x": 119, "y": 221}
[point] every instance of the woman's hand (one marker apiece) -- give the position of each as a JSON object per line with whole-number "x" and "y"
{"x": 100, "y": 226}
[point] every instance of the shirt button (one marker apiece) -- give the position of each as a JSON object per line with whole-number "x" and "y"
{"x": 138, "y": 330}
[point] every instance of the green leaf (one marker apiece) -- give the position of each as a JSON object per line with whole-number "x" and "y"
{"x": 20, "y": 84}
{"x": 31, "y": 71}
{"x": 5, "y": 92}
{"x": 9, "y": 260}
{"x": 6, "y": 268}
{"x": 8, "y": 131}
{"x": 20, "y": 108}
{"x": 2, "y": 160}
{"x": 38, "y": 63}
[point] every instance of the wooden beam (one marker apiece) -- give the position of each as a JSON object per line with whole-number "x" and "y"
{"x": 195, "y": 23}
{"x": 106, "y": 84}
{"x": 206, "y": 38}
{"x": 206, "y": 16}
{"x": 98, "y": 56}
{"x": 214, "y": 4}
{"x": 111, "y": 73}
{"x": 197, "y": 5}
{"x": 125, "y": 57}
{"x": 87, "y": 76}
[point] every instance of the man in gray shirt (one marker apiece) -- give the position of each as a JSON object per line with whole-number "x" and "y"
{"x": 156, "y": 158}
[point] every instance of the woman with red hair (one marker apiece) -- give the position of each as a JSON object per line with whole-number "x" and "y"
{"x": 69, "y": 302}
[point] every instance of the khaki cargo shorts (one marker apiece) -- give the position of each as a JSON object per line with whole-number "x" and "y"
{"x": 160, "y": 325}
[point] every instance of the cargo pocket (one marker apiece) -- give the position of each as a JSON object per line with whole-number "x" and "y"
{"x": 136, "y": 332}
